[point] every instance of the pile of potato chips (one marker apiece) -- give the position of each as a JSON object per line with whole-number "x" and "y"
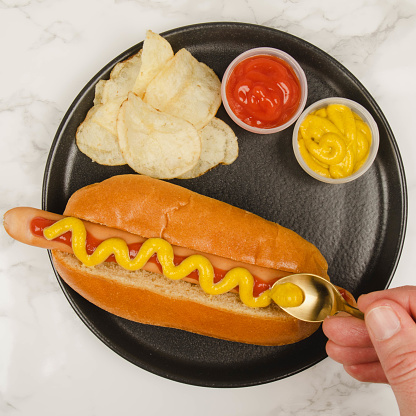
{"x": 157, "y": 114}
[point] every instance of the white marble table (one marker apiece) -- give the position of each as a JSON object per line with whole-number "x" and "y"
{"x": 50, "y": 363}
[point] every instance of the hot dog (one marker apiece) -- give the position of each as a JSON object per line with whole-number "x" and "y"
{"x": 145, "y": 212}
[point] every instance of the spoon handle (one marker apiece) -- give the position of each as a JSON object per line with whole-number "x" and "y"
{"x": 353, "y": 311}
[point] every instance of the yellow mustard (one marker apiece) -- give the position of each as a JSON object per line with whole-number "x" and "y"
{"x": 286, "y": 294}
{"x": 334, "y": 141}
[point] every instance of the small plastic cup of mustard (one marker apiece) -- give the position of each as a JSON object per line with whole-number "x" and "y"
{"x": 364, "y": 164}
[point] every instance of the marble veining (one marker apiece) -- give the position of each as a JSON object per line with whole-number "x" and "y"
{"x": 50, "y": 363}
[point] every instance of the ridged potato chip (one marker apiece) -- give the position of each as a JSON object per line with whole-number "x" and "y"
{"x": 186, "y": 88}
{"x": 219, "y": 146}
{"x": 156, "y": 53}
{"x": 154, "y": 143}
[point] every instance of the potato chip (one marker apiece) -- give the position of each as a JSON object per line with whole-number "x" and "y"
{"x": 166, "y": 128}
{"x": 156, "y": 52}
{"x": 154, "y": 143}
{"x": 231, "y": 147}
{"x": 98, "y": 143}
{"x": 99, "y": 87}
{"x": 219, "y": 146}
{"x": 106, "y": 114}
{"x": 122, "y": 79}
{"x": 97, "y": 135}
{"x": 187, "y": 89}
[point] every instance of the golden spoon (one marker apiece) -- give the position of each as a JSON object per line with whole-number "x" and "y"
{"x": 321, "y": 299}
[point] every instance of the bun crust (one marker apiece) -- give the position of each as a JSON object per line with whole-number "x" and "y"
{"x": 153, "y": 208}
{"x": 151, "y": 298}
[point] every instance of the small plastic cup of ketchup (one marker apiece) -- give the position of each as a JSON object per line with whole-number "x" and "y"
{"x": 264, "y": 90}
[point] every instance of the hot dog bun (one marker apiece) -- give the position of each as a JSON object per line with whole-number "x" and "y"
{"x": 153, "y": 208}
{"x": 149, "y": 298}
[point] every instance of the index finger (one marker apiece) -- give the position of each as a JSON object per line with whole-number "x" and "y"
{"x": 346, "y": 331}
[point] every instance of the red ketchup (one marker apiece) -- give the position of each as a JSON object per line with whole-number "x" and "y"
{"x": 263, "y": 91}
{"x": 38, "y": 224}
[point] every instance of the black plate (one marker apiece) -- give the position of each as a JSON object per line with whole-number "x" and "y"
{"x": 359, "y": 226}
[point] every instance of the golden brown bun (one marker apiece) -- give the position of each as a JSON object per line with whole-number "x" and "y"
{"x": 153, "y": 208}
{"x": 153, "y": 299}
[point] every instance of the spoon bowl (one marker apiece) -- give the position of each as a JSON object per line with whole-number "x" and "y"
{"x": 321, "y": 299}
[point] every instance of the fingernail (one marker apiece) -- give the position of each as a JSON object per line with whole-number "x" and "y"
{"x": 383, "y": 322}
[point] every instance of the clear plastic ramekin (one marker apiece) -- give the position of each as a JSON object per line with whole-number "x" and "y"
{"x": 279, "y": 54}
{"x": 356, "y": 108}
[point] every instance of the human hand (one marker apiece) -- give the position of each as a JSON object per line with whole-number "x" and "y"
{"x": 383, "y": 348}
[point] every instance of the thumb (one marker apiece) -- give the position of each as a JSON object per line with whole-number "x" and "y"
{"x": 393, "y": 334}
